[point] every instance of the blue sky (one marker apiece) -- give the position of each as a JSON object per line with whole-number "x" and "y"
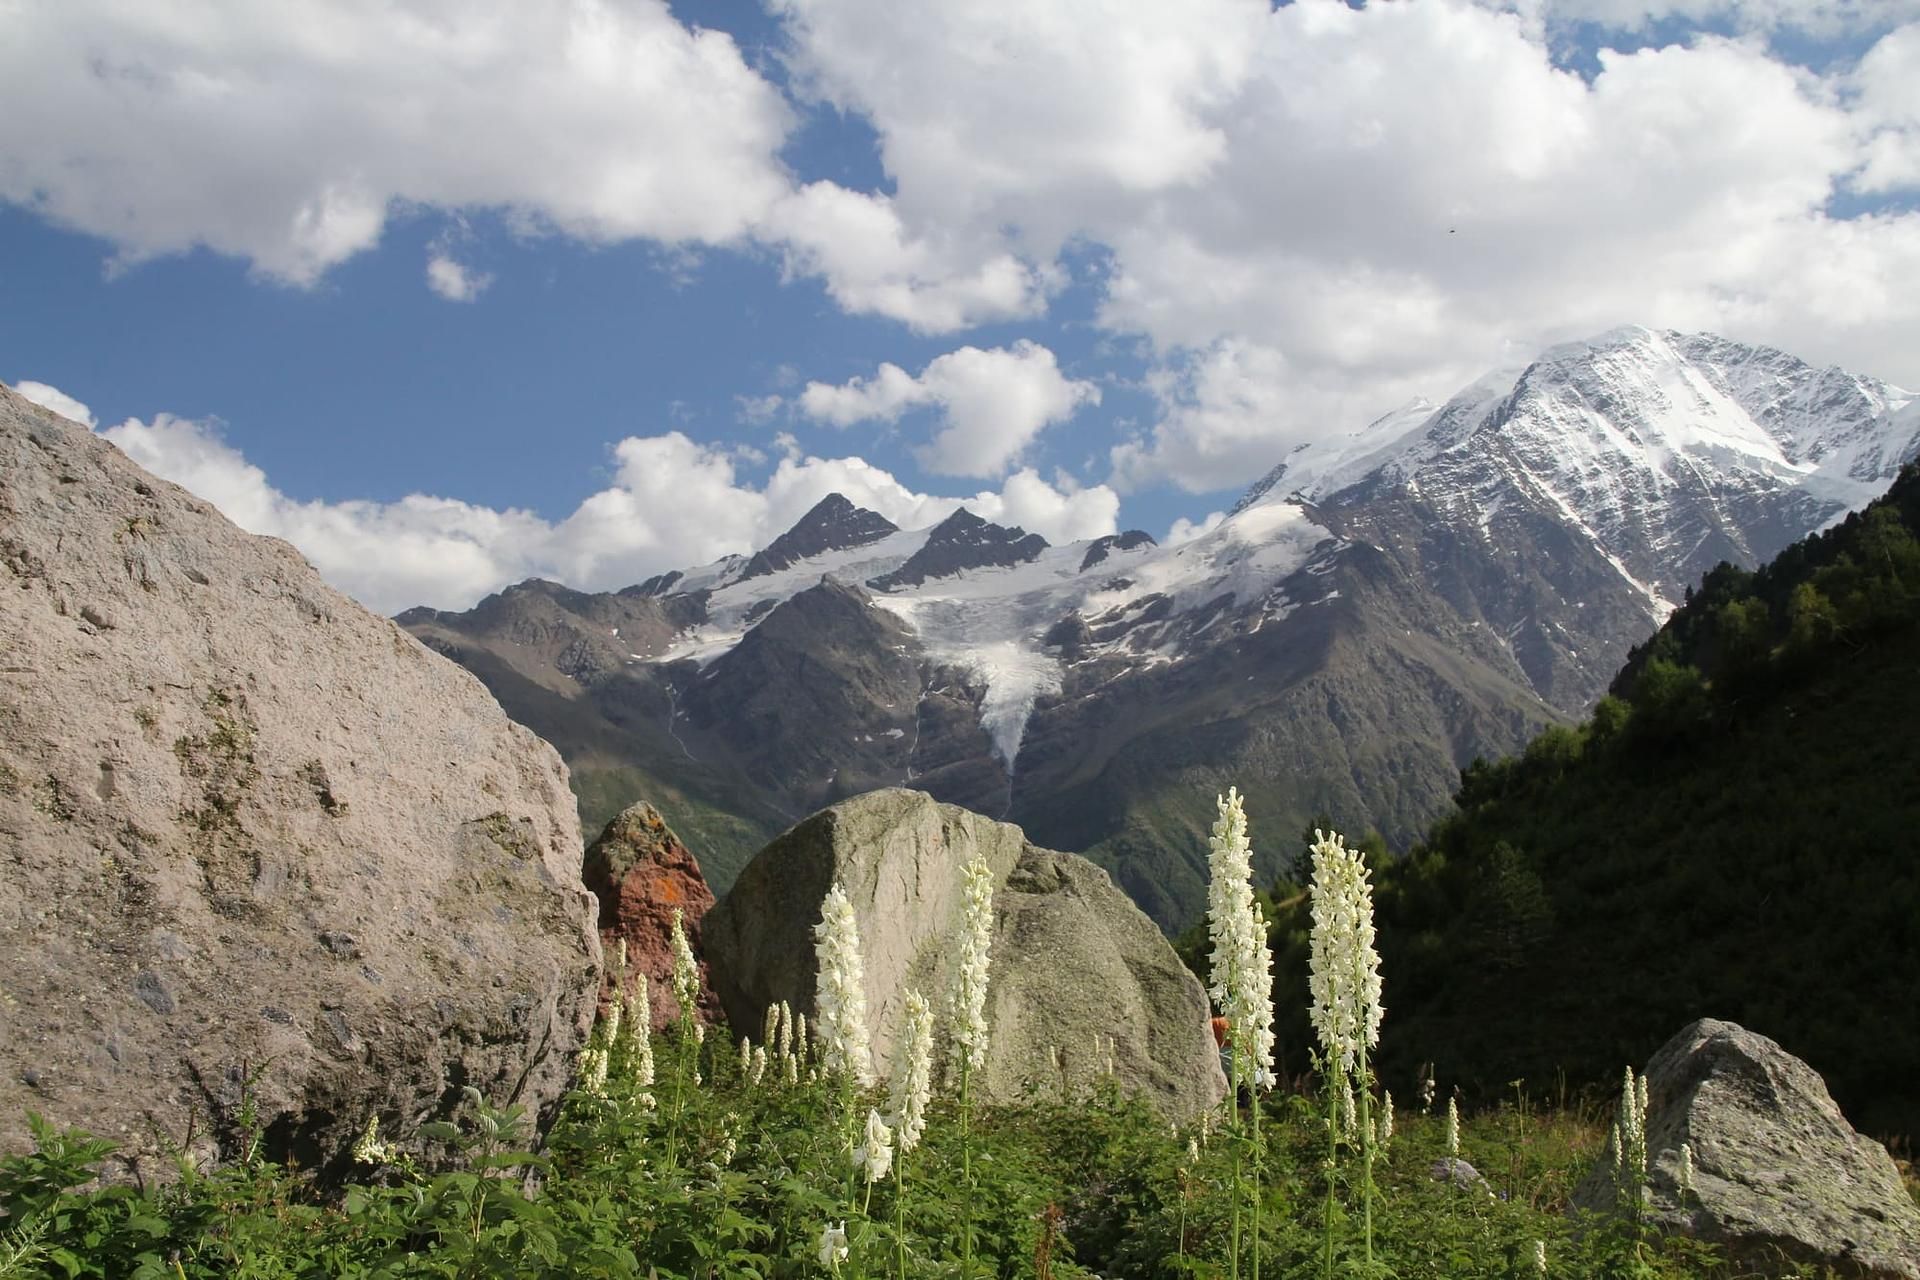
{"x": 450, "y": 294}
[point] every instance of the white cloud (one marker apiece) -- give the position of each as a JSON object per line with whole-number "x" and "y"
{"x": 1056, "y": 514}
{"x": 992, "y": 403}
{"x": 1888, "y": 84}
{"x": 1315, "y": 212}
{"x": 758, "y": 410}
{"x": 285, "y": 138}
{"x": 1003, "y": 113}
{"x": 886, "y": 395}
{"x": 290, "y": 140}
{"x": 1185, "y": 530}
{"x": 57, "y": 400}
{"x": 673, "y": 503}
{"x": 1230, "y": 411}
{"x": 454, "y": 282}
{"x": 932, "y": 282}
{"x": 1307, "y": 213}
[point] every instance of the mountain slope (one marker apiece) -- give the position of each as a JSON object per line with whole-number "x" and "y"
{"x": 1737, "y": 835}
{"x": 1375, "y": 613}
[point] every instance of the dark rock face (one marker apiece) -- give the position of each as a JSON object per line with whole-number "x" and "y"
{"x": 817, "y": 701}
{"x": 1780, "y": 1178}
{"x": 960, "y": 542}
{"x": 642, "y": 873}
{"x": 834, "y": 524}
{"x": 1363, "y": 702}
{"x": 247, "y": 826}
{"x": 1131, "y": 540}
{"x": 574, "y": 637}
{"x": 1073, "y": 959}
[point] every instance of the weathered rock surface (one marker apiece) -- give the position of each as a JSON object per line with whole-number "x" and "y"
{"x": 250, "y": 830}
{"x": 1074, "y": 961}
{"x": 1779, "y": 1175}
{"x": 640, "y": 872}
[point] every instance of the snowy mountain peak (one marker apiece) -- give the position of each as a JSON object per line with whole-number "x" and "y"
{"x": 961, "y": 542}
{"x": 1667, "y": 452}
{"x": 833, "y": 524}
{"x": 1433, "y": 585}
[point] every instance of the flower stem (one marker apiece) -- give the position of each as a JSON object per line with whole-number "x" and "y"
{"x": 966, "y": 1167}
{"x": 900, "y": 1214}
{"x": 1333, "y": 1158}
{"x": 1366, "y": 1158}
{"x": 679, "y": 1088}
{"x": 1253, "y": 1101}
{"x": 1239, "y": 1188}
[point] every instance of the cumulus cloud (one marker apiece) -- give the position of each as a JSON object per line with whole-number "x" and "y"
{"x": 286, "y": 139}
{"x": 991, "y": 403}
{"x": 290, "y": 141}
{"x": 1315, "y": 212}
{"x": 1307, "y": 214}
{"x": 57, "y": 400}
{"x": 933, "y": 281}
{"x": 454, "y": 282}
{"x": 999, "y": 113}
{"x": 1185, "y": 530}
{"x": 1888, "y": 84}
{"x": 672, "y": 503}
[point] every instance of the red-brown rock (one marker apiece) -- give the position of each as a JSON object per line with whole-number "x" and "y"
{"x": 640, "y": 871}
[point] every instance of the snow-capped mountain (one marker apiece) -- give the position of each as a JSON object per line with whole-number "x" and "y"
{"x": 1375, "y": 612}
{"x": 1669, "y": 452}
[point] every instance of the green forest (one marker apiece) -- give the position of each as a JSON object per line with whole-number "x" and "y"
{"x": 1734, "y": 832}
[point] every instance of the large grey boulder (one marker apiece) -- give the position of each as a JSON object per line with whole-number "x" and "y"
{"x": 253, "y": 838}
{"x": 1780, "y": 1178}
{"x": 1075, "y": 962}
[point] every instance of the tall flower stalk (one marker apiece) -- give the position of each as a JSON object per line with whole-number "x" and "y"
{"x": 687, "y": 1032}
{"x": 840, "y": 999}
{"x": 1344, "y": 983}
{"x": 908, "y": 1093}
{"x": 969, "y": 1009}
{"x": 840, "y": 1020}
{"x": 1241, "y": 984}
{"x": 1629, "y": 1143}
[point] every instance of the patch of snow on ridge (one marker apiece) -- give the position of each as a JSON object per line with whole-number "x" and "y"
{"x": 731, "y": 603}
{"x": 1247, "y": 554}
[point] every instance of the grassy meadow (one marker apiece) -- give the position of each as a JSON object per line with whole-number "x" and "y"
{"x": 729, "y": 1177}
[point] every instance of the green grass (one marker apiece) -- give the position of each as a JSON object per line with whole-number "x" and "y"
{"x": 1063, "y": 1187}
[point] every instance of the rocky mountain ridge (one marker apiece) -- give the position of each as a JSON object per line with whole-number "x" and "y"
{"x": 1377, "y": 611}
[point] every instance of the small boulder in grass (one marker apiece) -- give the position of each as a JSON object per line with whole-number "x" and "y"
{"x": 1461, "y": 1174}
{"x": 1779, "y": 1178}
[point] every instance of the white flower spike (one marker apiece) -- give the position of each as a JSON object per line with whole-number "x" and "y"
{"x": 912, "y": 1083}
{"x": 969, "y": 996}
{"x": 686, "y": 973}
{"x": 640, "y": 1028}
{"x": 1344, "y": 977}
{"x": 840, "y": 1001}
{"x": 1241, "y": 978}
